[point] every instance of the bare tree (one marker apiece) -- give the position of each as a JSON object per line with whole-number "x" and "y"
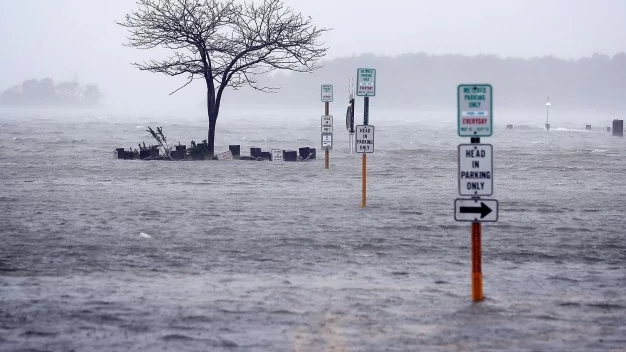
{"x": 223, "y": 42}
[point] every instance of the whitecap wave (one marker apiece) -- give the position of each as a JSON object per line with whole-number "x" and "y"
{"x": 20, "y": 139}
{"x": 563, "y": 129}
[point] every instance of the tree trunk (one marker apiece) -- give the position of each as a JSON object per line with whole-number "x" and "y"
{"x": 211, "y": 139}
{"x": 212, "y": 111}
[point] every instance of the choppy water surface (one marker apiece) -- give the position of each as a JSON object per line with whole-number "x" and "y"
{"x": 254, "y": 256}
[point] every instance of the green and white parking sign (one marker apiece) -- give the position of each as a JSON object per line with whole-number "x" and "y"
{"x": 327, "y": 93}
{"x": 475, "y": 110}
{"x": 366, "y": 82}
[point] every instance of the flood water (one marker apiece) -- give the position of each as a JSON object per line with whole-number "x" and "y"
{"x": 260, "y": 256}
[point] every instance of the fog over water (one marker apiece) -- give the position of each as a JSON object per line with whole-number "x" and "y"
{"x": 77, "y": 39}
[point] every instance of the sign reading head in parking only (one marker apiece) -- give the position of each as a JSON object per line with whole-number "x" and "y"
{"x": 475, "y": 170}
{"x": 364, "y": 139}
{"x": 327, "y": 123}
{"x": 475, "y": 110}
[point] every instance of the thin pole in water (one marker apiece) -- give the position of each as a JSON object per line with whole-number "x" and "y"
{"x": 326, "y": 152}
{"x": 477, "y": 275}
{"x": 548, "y": 114}
{"x": 366, "y": 111}
{"x": 364, "y": 183}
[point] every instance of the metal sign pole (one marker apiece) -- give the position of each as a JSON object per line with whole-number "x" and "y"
{"x": 326, "y": 152}
{"x": 364, "y": 141}
{"x": 351, "y": 127}
{"x": 327, "y": 123}
{"x": 548, "y": 114}
{"x": 366, "y": 111}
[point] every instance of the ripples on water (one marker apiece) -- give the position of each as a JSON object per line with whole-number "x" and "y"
{"x": 249, "y": 256}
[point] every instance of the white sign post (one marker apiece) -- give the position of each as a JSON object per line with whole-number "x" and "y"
{"x": 366, "y": 82}
{"x": 277, "y": 155}
{"x": 475, "y": 110}
{"x": 327, "y": 93}
{"x": 364, "y": 139}
{"x": 475, "y": 170}
{"x": 476, "y": 210}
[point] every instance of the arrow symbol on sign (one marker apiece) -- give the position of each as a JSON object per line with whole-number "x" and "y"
{"x": 483, "y": 210}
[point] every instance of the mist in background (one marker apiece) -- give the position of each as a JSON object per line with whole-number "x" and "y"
{"x": 572, "y": 51}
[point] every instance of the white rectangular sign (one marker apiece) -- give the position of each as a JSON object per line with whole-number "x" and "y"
{"x": 475, "y": 110}
{"x": 475, "y": 170}
{"x": 327, "y": 93}
{"x": 225, "y": 156}
{"x": 277, "y": 155}
{"x": 364, "y": 139}
{"x": 327, "y": 140}
{"x": 327, "y": 123}
{"x": 366, "y": 82}
{"x": 476, "y": 210}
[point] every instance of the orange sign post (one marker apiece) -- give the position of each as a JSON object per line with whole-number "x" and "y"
{"x": 477, "y": 274}
{"x": 475, "y": 120}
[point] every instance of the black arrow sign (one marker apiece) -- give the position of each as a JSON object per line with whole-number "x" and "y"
{"x": 483, "y": 210}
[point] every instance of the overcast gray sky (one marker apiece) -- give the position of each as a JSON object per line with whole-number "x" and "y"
{"x": 67, "y": 39}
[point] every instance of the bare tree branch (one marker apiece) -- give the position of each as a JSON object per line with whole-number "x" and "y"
{"x": 190, "y": 79}
{"x": 225, "y": 42}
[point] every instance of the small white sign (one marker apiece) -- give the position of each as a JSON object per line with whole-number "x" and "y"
{"x": 475, "y": 110}
{"x": 277, "y": 155}
{"x": 476, "y": 210}
{"x": 475, "y": 170}
{"x": 327, "y": 93}
{"x": 327, "y": 123}
{"x": 364, "y": 139}
{"x": 366, "y": 82}
{"x": 225, "y": 156}
{"x": 327, "y": 140}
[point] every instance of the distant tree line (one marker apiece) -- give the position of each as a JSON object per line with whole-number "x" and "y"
{"x": 423, "y": 80}
{"x": 45, "y": 92}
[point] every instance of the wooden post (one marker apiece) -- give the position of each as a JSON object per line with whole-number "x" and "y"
{"x": 326, "y": 152}
{"x": 477, "y": 276}
{"x": 364, "y": 182}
